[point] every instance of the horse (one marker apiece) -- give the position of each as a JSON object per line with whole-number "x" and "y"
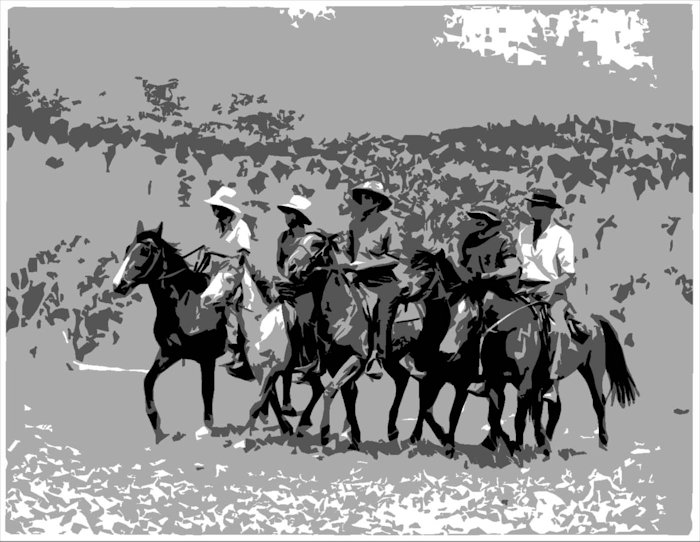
{"x": 183, "y": 328}
{"x": 343, "y": 326}
{"x": 515, "y": 345}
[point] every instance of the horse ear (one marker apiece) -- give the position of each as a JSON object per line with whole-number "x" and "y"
{"x": 159, "y": 230}
{"x": 139, "y": 227}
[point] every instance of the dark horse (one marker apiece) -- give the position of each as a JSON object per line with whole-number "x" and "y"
{"x": 183, "y": 328}
{"x": 512, "y": 341}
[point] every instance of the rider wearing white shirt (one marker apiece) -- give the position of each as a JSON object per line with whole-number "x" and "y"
{"x": 546, "y": 253}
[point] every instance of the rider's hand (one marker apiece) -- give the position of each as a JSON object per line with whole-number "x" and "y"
{"x": 545, "y": 292}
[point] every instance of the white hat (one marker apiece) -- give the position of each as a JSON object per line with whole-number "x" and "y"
{"x": 224, "y": 197}
{"x": 297, "y": 204}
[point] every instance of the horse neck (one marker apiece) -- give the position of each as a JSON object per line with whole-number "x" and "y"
{"x": 174, "y": 287}
{"x": 253, "y": 305}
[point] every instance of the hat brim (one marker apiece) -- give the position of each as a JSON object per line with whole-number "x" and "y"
{"x": 545, "y": 203}
{"x": 480, "y": 214}
{"x": 217, "y": 203}
{"x": 385, "y": 201}
{"x": 286, "y": 208}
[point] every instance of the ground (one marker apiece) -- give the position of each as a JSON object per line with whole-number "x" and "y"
{"x": 82, "y": 459}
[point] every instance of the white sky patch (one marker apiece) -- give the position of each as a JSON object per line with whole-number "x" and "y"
{"x": 521, "y": 36}
{"x": 302, "y": 9}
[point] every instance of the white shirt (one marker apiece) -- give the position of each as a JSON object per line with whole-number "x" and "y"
{"x": 550, "y": 257}
{"x": 238, "y": 234}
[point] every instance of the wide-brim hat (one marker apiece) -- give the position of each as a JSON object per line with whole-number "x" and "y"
{"x": 487, "y": 211}
{"x": 544, "y": 197}
{"x": 376, "y": 188}
{"x": 224, "y": 197}
{"x": 297, "y": 205}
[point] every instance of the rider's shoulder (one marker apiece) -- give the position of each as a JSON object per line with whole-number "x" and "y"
{"x": 561, "y": 229}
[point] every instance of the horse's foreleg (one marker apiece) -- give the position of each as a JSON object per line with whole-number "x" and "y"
{"x": 287, "y": 408}
{"x": 595, "y": 386}
{"x": 540, "y": 436}
{"x": 349, "y": 392}
{"x": 400, "y": 377}
{"x": 553, "y": 414}
{"x": 207, "y": 370}
{"x": 455, "y": 413}
{"x": 267, "y": 386}
{"x": 316, "y": 393}
{"x": 428, "y": 391}
{"x": 497, "y": 399}
{"x": 285, "y": 426}
{"x": 161, "y": 364}
{"x": 350, "y": 369}
{"x": 521, "y": 420}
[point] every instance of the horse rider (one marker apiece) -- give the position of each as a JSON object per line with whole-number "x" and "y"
{"x": 297, "y": 290}
{"x": 546, "y": 252}
{"x": 488, "y": 263}
{"x": 234, "y": 240}
{"x": 376, "y": 258}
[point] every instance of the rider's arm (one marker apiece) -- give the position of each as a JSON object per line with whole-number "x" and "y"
{"x": 506, "y": 260}
{"x": 565, "y": 261}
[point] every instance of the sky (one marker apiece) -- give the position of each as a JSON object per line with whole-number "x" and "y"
{"x": 382, "y": 70}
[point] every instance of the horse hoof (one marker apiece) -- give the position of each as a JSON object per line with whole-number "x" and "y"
{"x": 603, "y": 446}
{"x": 489, "y": 444}
{"x": 415, "y": 439}
{"x": 393, "y": 435}
{"x": 289, "y": 410}
{"x": 450, "y": 452}
{"x": 161, "y": 436}
{"x": 354, "y": 446}
{"x": 287, "y": 429}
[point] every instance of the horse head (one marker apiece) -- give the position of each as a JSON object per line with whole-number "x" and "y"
{"x": 226, "y": 284}
{"x": 143, "y": 259}
{"x": 430, "y": 275}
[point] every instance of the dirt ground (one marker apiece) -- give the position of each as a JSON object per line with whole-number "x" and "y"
{"x": 81, "y": 459}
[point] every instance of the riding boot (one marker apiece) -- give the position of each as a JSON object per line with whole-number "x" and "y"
{"x": 239, "y": 367}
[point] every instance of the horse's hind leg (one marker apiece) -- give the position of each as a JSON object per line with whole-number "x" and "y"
{"x": 400, "y": 377}
{"x": 287, "y": 408}
{"x": 349, "y": 392}
{"x": 540, "y": 436}
{"x": 160, "y": 365}
{"x": 595, "y": 385}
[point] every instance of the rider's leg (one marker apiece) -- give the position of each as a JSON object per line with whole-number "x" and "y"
{"x": 309, "y": 360}
{"x": 388, "y": 300}
{"x": 238, "y": 366}
{"x": 559, "y": 337}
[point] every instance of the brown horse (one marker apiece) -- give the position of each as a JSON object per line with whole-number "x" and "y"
{"x": 513, "y": 348}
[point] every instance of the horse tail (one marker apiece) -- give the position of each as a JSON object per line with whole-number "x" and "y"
{"x": 622, "y": 385}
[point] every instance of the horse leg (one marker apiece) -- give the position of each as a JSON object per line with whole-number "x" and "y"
{"x": 400, "y": 377}
{"x": 316, "y": 393}
{"x": 497, "y": 399}
{"x": 428, "y": 391}
{"x": 285, "y": 426}
{"x": 350, "y": 369}
{"x": 595, "y": 385}
{"x": 160, "y": 365}
{"x": 553, "y": 412}
{"x": 260, "y": 406}
{"x": 461, "y": 395}
{"x": 349, "y": 393}
{"x": 540, "y": 437}
{"x": 207, "y": 368}
{"x": 287, "y": 408}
